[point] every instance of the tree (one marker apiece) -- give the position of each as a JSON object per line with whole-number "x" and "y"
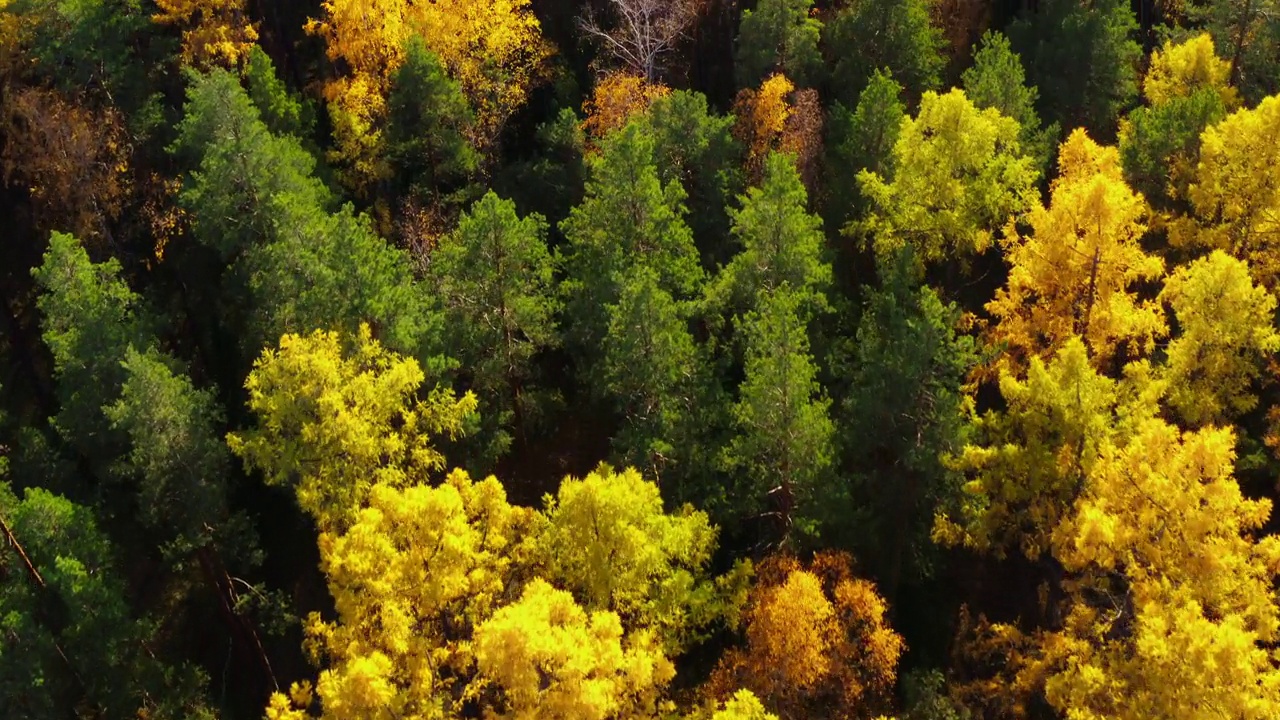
{"x": 817, "y": 642}
{"x": 779, "y": 36}
{"x": 628, "y": 218}
{"x": 609, "y": 542}
{"x": 644, "y": 32}
{"x": 616, "y": 99}
{"x": 1160, "y": 148}
{"x": 782, "y": 451}
{"x": 872, "y": 35}
{"x": 1237, "y": 190}
{"x": 1182, "y": 70}
{"x": 782, "y": 246}
{"x": 494, "y": 274}
{"x": 496, "y": 54}
{"x": 412, "y": 575}
{"x": 959, "y": 174}
{"x": 1245, "y": 32}
{"x": 337, "y": 416}
{"x": 215, "y": 32}
{"x": 1168, "y": 609}
{"x": 283, "y": 112}
{"x": 1226, "y": 332}
{"x": 997, "y": 80}
{"x": 651, "y": 370}
{"x": 551, "y": 659}
{"x": 1083, "y": 59}
{"x": 1073, "y": 275}
{"x": 779, "y": 118}
{"x": 428, "y": 120}
{"x": 902, "y": 413}
{"x": 744, "y": 705}
{"x": 860, "y": 140}
{"x": 72, "y": 643}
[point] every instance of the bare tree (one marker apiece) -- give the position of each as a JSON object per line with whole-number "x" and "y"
{"x": 644, "y": 31}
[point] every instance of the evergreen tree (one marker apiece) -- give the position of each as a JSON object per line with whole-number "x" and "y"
{"x": 779, "y": 36}
{"x": 860, "y": 140}
{"x": 893, "y": 35}
{"x": 997, "y": 80}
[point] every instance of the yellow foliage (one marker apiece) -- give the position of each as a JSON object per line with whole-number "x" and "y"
{"x": 1073, "y": 275}
{"x": 818, "y": 643}
{"x": 551, "y": 659}
{"x": 744, "y": 705}
{"x": 217, "y": 32}
{"x": 494, "y": 49}
{"x": 1236, "y": 194}
{"x": 334, "y": 421}
{"x": 762, "y": 116}
{"x": 1182, "y": 69}
{"x": 1171, "y": 608}
{"x": 1227, "y": 331}
{"x": 617, "y": 97}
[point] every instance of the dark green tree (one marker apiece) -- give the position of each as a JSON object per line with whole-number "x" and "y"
{"x": 871, "y": 35}
{"x": 283, "y": 112}
{"x": 628, "y": 218}
{"x": 1160, "y": 146}
{"x": 494, "y": 275}
{"x": 782, "y": 453}
{"x": 997, "y": 80}
{"x": 1083, "y": 59}
{"x": 779, "y": 36}
{"x": 427, "y": 120}
{"x": 860, "y": 140}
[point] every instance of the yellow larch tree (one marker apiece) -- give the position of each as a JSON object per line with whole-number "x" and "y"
{"x": 1226, "y": 332}
{"x": 1074, "y": 273}
{"x": 1236, "y": 193}
{"x": 494, "y": 49}
{"x": 1179, "y": 70}
{"x": 617, "y": 97}
{"x": 214, "y": 32}
{"x": 1170, "y": 608}
{"x": 817, "y": 642}
{"x": 337, "y": 416}
{"x": 546, "y": 657}
{"x": 778, "y": 117}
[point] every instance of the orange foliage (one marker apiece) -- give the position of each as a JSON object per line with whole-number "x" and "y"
{"x": 777, "y": 117}
{"x": 73, "y": 160}
{"x": 617, "y": 97}
{"x": 817, "y": 643}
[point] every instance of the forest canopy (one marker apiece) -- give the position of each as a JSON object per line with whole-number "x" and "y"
{"x": 639, "y": 360}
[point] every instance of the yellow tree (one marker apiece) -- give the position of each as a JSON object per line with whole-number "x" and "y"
{"x": 337, "y": 416}
{"x": 959, "y": 174}
{"x": 494, "y": 49}
{"x": 549, "y": 658}
{"x": 608, "y": 540}
{"x": 1180, "y": 70}
{"x": 818, "y": 643}
{"x": 1226, "y": 333}
{"x": 214, "y": 32}
{"x": 617, "y": 97}
{"x": 1170, "y": 608}
{"x": 1236, "y": 193}
{"x": 1074, "y": 273}
{"x": 777, "y": 117}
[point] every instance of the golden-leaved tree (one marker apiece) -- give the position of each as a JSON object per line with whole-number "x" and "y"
{"x": 446, "y": 594}
{"x": 1236, "y": 192}
{"x": 617, "y": 97}
{"x": 494, "y": 49}
{"x": 1226, "y": 334}
{"x": 818, "y": 643}
{"x": 1075, "y": 273}
{"x": 214, "y": 32}
{"x": 1182, "y": 69}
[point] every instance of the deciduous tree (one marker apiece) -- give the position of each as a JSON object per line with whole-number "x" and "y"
{"x": 214, "y": 32}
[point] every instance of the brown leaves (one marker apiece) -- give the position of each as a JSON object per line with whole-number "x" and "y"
{"x": 777, "y": 117}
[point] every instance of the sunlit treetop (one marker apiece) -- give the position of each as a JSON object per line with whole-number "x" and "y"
{"x": 1183, "y": 69}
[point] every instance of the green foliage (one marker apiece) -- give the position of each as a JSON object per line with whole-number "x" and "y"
{"x": 283, "y": 112}
{"x": 494, "y": 275}
{"x": 71, "y": 643}
{"x": 427, "y": 121}
{"x": 652, "y": 372}
{"x": 628, "y": 218}
{"x": 997, "y": 80}
{"x": 779, "y": 36}
{"x": 1083, "y": 59}
{"x": 861, "y": 140}
{"x": 782, "y": 245}
{"x": 1160, "y": 145}
{"x": 88, "y": 323}
{"x": 897, "y": 35}
{"x": 903, "y": 412}
{"x": 783, "y": 449}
